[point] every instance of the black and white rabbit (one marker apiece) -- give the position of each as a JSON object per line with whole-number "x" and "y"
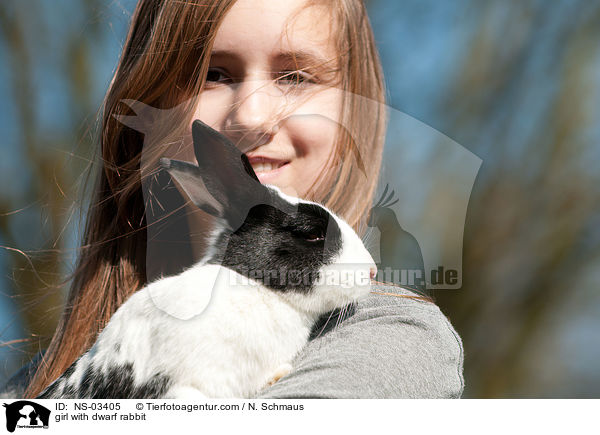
{"x": 231, "y": 324}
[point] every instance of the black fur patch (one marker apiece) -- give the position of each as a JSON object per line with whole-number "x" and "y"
{"x": 69, "y": 392}
{"x": 117, "y": 383}
{"x": 70, "y": 370}
{"x": 282, "y": 246}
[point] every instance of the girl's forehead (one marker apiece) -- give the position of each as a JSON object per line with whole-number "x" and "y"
{"x": 275, "y": 26}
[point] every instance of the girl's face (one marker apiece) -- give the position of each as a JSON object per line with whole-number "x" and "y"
{"x": 270, "y": 90}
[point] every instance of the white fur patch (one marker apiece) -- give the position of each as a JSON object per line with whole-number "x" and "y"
{"x": 232, "y": 349}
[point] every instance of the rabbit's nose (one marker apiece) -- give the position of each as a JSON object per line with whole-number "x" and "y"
{"x": 373, "y": 271}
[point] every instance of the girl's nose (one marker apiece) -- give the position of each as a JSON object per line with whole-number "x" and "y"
{"x": 252, "y": 122}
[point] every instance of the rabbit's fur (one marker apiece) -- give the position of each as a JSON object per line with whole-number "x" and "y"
{"x": 220, "y": 328}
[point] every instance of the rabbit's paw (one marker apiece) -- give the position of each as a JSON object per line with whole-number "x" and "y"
{"x": 279, "y": 373}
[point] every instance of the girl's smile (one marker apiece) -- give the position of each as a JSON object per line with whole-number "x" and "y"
{"x": 267, "y": 168}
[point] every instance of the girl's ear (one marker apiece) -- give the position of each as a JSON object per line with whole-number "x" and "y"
{"x": 224, "y": 183}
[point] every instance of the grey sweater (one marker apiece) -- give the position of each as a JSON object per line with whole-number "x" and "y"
{"x": 388, "y": 347}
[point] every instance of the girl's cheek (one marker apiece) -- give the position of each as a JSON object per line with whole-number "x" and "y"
{"x": 321, "y": 101}
{"x": 312, "y": 136}
{"x": 313, "y": 125}
{"x": 313, "y": 130}
{"x": 213, "y": 106}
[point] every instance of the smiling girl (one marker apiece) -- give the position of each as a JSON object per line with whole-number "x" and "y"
{"x": 298, "y": 87}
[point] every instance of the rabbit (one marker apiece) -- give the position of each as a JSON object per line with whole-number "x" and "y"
{"x": 220, "y": 329}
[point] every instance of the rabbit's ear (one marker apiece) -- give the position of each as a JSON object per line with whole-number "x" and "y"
{"x": 212, "y": 147}
{"x": 224, "y": 183}
{"x": 189, "y": 178}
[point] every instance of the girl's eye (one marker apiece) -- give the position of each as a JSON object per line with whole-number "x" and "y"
{"x": 298, "y": 78}
{"x": 217, "y": 75}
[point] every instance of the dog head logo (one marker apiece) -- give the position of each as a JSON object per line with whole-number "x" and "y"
{"x": 26, "y": 414}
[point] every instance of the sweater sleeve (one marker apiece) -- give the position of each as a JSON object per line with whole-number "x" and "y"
{"x": 390, "y": 347}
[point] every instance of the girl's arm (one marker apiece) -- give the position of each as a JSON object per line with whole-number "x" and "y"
{"x": 389, "y": 348}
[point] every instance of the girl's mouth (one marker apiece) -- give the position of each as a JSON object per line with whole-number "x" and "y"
{"x": 267, "y": 169}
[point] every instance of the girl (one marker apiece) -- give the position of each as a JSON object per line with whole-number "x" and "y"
{"x": 297, "y": 85}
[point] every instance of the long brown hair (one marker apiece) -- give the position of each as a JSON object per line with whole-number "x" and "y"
{"x": 164, "y": 61}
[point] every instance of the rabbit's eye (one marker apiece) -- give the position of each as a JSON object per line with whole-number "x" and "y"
{"x": 308, "y": 233}
{"x": 314, "y": 237}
